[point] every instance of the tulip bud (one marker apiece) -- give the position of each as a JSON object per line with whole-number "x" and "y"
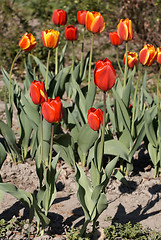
{"x": 59, "y": 17}
{"x": 50, "y": 38}
{"x": 124, "y": 29}
{"x": 158, "y": 55}
{"x": 95, "y": 118}
{"x": 81, "y": 17}
{"x": 115, "y": 39}
{"x": 52, "y": 110}
{"x": 94, "y": 22}
{"x": 27, "y": 42}
{"x": 37, "y": 92}
{"x": 147, "y": 55}
{"x": 132, "y": 59}
{"x": 104, "y": 75}
{"x": 71, "y": 33}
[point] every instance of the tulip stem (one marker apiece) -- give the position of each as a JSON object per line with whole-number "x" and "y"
{"x": 81, "y": 66}
{"x": 103, "y": 133}
{"x": 56, "y": 61}
{"x": 134, "y": 104}
{"x": 41, "y": 125}
{"x": 73, "y": 56}
{"x": 10, "y": 93}
{"x": 51, "y": 146}
{"x": 47, "y": 69}
{"x": 158, "y": 106}
{"x": 125, "y": 72}
{"x": 90, "y": 61}
{"x": 118, "y": 62}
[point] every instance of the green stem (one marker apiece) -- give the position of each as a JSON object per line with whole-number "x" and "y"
{"x": 82, "y": 51}
{"x": 134, "y": 104}
{"x": 10, "y": 94}
{"x": 156, "y": 171}
{"x": 103, "y": 133}
{"x": 56, "y": 61}
{"x": 47, "y": 69}
{"x": 73, "y": 56}
{"x": 90, "y": 61}
{"x": 41, "y": 124}
{"x": 51, "y": 146}
{"x": 158, "y": 106}
{"x": 118, "y": 62}
{"x": 125, "y": 72}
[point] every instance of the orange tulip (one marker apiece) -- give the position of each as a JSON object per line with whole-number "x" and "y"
{"x": 147, "y": 55}
{"x": 159, "y": 55}
{"x": 27, "y": 42}
{"x": 50, "y": 38}
{"x": 124, "y": 29}
{"x": 104, "y": 75}
{"x": 132, "y": 59}
{"x": 59, "y": 17}
{"x": 94, "y": 22}
{"x": 37, "y": 92}
{"x": 115, "y": 39}
{"x": 52, "y": 110}
{"x": 81, "y": 17}
{"x": 95, "y": 118}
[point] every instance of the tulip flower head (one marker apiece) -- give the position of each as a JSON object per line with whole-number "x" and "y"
{"x": 59, "y": 17}
{"x": 81, "y": 17}
{"x": 132, "y": 59}
{"x": 95, "y": 118}
{"x": 94, "y": 22}
{"x": 115, "y": 39}
{"x": 104, "y": 75}
{"x": 125, "y": 30}
{"x": 158, "y": 55}
{"x": 50, "y": 38}
{"x": 52, "y": 110}
{"x": 147, "y": 55}
{"x": 27, "y": 42}
{"x": 71, "y": 33}
{"x": 37, "y": 92}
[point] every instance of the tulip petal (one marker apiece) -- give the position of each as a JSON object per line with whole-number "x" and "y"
{"x": 123, "y": 31}
{"x": 24, "y": 43}
{"x": 98, "y": 24}
{"x": 144, "y": 56}
{"x": 89, "y": 20}
{"x": 93, "y": 121}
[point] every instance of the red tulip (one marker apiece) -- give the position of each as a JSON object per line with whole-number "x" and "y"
{"x": 158, "y": 55}
{"x": 104, "y": 75}
{"x": 115, "y": 39}
{"x": 81, "y": 17}
{"x": 50, "y": 38}
{"x": 147, "y": 55}
{"x": 52, "y": 110}
{"x": 27, "y": 42}
{"x": 124, "y": 29}
{"x": 132, "y": 59}
{"x": 59, "y": 17}
{"x": 94, "y": 22}
{"x": 37, "y": 92}
{"x": 95, "y": 118}
{"x": 71, "y": 33}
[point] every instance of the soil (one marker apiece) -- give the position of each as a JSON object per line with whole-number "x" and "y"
{"x": 139, "y": 202}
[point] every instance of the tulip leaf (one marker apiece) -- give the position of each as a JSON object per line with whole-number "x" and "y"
{"x": 153, "y": 153}
{"x": 9, "y": 136}
{"x": 124, "y": 113}
{"x": 46, "y": 139}
{"x": 2, "y": 155}
{"x": 61, "y": 59}
{"x": 90, "y": 96}
{"x": 85, "y": 65}
{"x": 110, "y": 167}
{"x": 86, "y": 138}
{"x": 149, "y": 130}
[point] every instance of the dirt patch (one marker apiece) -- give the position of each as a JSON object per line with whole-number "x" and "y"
{"x": 137, "y": 202}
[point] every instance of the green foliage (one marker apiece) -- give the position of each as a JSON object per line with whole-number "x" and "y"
{"x": 127, "y": 231}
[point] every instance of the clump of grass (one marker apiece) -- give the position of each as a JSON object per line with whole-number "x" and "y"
{"x": 128, "y": 232}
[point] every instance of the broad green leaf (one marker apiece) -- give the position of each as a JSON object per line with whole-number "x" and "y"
{"x": 149, "y": 130}
{"x": 102, "y": 203}
{"x": 2, "y": 155}
{"x": 86, "y": 138}
{"x": 85, "y": 65}
{"x": 153, "y": 153}
{"x": 110, "y": 167}
{"x": 90, "y": 96}
{"x": 46, "y": 140}
{"x": 117, "y": 174}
